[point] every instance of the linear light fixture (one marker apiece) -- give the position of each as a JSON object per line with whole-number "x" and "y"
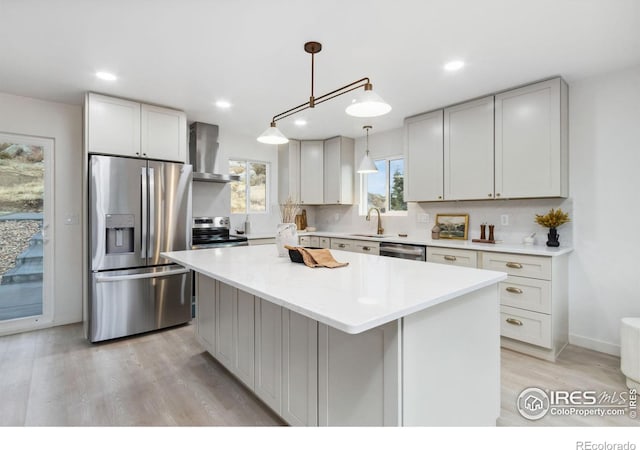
{"x": 366, "y": 104}
{"x": 367, "y": 165}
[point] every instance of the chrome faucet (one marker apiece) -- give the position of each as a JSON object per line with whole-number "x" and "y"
{"x": 368, "y": 218}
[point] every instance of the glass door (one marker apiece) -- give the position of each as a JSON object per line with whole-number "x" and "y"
{"x": 26, "y": 286}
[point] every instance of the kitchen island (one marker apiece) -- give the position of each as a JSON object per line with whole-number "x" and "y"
{"x": 383, "y": 341}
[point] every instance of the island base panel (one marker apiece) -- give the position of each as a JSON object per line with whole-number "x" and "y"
{"x": 451, "y": 362}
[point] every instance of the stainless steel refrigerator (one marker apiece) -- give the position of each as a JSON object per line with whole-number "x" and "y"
{"x": 137, "y": 209}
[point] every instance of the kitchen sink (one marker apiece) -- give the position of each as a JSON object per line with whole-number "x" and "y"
{"x": 372, "y": 235}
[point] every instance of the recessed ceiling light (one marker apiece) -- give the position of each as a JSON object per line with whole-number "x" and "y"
{"x": 106, "y": 76}
{"x": 454, "y": 65}
{"x": 300, "y": 122}
{"x": 223, "y": 104}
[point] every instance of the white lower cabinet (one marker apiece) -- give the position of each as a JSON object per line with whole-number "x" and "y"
{"x": 358, "y": 381}
{"x": 312, "y": 374}
{"x": 226, "y": 298}
{"x": 342, "y": 244}
{"x": 533, "y": 302}
{"x": 371, "y": 248}
{"x": 268, "y": 355}
{"x": 452, "y": 256}
{"x": 234, "y": 328}
{"x": 299, "y": 369}
{"x": 206, "y": 312}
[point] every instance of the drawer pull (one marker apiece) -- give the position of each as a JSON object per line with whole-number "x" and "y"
{"x": 514, "y": 322}
{"x": 366, "y": 249}
{"x": 513, "y": 265}
{"x": 449, "y": 258}
{"x": 514, "y": 290}
{"x": 341, "y": 245}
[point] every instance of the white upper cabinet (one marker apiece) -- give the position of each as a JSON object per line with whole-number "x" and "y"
{"x": 531, "y": 148}
{"x": 338, "y": 170}
{"x": 164, "y": 133}
{"x": 117, "y": 126}
{"x": 424, "y": 146}
{"x": 468, "y": 150}
{"x": 113, "y": 126}
{"x": 289, "y": 171}
{"x": 312, "y": 172}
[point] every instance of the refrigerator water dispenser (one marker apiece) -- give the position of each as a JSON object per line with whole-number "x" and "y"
{"x": 119, "y": 231}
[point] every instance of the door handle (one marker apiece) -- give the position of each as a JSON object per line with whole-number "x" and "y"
{"x": 152, "y": 211}
{"x": 139, "y": 276}
{"x": 143, "y": 208}
{"x": 514, "y": 322}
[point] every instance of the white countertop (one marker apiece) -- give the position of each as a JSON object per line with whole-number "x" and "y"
{"x": 539, "y": 250}
{"x": 370, "y": 291}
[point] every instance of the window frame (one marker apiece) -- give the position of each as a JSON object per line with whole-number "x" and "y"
{"x": 267, "y": 199}
{"x": 364, "y": 187}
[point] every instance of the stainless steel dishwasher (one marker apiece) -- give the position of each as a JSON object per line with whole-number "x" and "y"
{"x": 404, "y": 251}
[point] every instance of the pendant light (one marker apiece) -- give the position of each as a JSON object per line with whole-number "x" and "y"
{"x": 272, "y": 136}
{"x": 366, "y": 104}
{"x": 367, "y": 165}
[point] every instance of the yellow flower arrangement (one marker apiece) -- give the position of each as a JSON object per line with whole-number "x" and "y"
{"x": 553, "y": 219}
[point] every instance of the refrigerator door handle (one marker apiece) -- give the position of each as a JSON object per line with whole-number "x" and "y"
{"x": 152, "y": 211}
{"x": 138, "y": 276}
{"x": 143, "y": 195}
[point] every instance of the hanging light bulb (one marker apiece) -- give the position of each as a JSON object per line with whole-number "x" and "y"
{"x": 367, "y": 104}
{"x": 272, "y": 136}
{"x": 367, "y": 165}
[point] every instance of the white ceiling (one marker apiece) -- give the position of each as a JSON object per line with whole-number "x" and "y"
{"x": 187, "y": 54}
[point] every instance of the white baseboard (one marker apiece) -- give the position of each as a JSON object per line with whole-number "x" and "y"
{"x": 595, "y": 344}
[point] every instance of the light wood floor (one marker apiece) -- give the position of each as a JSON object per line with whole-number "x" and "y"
{"x": 54, "y": 377}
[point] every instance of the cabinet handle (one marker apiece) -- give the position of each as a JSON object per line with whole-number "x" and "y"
{"x": 137, "y": 153}
{"x": 449, "y": 258}
{"x": 513, "y": 265}
{"x": 498, "y": 194}
{"x": 366, "y": 249}
{"x": 514, "y": 290}
{"x": 514, "y": 322}
{"x": 439, "y": 197}
{"x": 490, "y": 195}
{"x": 341, "y": 245}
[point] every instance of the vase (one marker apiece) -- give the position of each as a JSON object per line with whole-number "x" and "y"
{"x": 553, "y": 238}
{"x": 286, "y": 234}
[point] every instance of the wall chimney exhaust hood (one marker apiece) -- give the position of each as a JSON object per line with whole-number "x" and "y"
{"x": 203, "y": 152}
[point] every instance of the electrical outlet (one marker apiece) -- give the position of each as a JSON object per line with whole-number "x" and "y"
{"x": 423, "y": 218}
{"x": 504, "y": 220}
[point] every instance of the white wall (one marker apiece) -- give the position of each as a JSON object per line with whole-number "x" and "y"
{"x": 63, "y": 123}
{"x": 605, "y": 184}
{"x": 213, "y": 199}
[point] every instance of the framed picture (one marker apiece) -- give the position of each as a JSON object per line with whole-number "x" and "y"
{"x": 453, "y": 226}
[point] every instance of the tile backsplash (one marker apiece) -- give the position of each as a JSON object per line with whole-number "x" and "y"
{"x": 520, "y": 215}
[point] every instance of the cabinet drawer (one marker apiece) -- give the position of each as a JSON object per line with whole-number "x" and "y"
{"x": 526, "y": 293}
{"x": 452, "y": 256}
{"x": 526, "y": 326}
{"x": 372, "y": 248}
{"x": 325, "y": 242}
{"x": 315, "y": 241}
{"x": 519, "y": 265}
{"x": 305, "y": 241}
{"x": 342, "y": 244}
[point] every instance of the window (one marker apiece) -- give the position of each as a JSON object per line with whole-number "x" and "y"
{"x": 250, "y": 194}
{"x": 385, "y": 189}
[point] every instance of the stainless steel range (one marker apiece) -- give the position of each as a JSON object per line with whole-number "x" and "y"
{"x": 211, "y": 232}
